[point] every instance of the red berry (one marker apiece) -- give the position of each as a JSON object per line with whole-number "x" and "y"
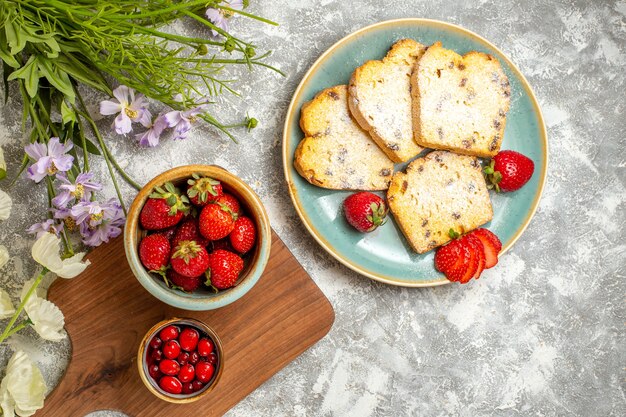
{"x": 447, "y": 256}
{"x": 456, "y": 271}
{"x": 188, "y": 388}
{"x": 472, "y": 267}
{"x": 215, "y": 222}
{"x": 190, "y": 259}
{"x": 183, "y": 358}
{"x": 189, "y": 339}
{"x": 225, "y": 268}
{"x": 168, "y": 233}
{"x": 203, "y": 190}
{"x": 204, "y": 371}
{"x": 154, "y": 372}
{"x": 231, "y": 202}
{"x": 169, "y": 367}
{"x": 194, "y": 358}
{"x": 212, "y": 358}
{"x": 188, "y": 284}
{"x": 187, "y": 373}
{"x": 197, "y": 385}
{"x": 205, "y": 346}
{"x": 168, "y": 333}
{"x": 154, "y": 252}
{"x": 171, "y": 384}
{"x": 480, "y": 254}
{"x": 171, "y": 350}
{"x": 155, "y": 343}
{"x": 243, "y": 236}
{"x": 510, "y": 170}
{"x": 164, "y": 208}
{"x": 491, "y": 244}
{"x": 365, "y": 211}
{"x": 188, "y": 230}
{"x": 157, "y": 354}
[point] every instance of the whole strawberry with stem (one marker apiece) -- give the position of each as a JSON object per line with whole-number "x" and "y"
{"x": 203, "y": 190}
{"x": 232, "y": 203}
{"x": 509, "y": 171}
{"x": 154, "y": 253}
{"x": 224, "y": 269}
{"x": 215, "y": 221}
{"x": 164, "y": 208}
{"x": 243, "y": 236}
{"x": 190, "y": 259}
{"x": 365, "y": 211}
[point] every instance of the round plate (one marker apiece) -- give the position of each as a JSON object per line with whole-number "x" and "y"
{"x": 384, "y": 255}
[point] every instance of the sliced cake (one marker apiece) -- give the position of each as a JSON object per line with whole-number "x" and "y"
{"x": 380, "y": 99}
{"x": 336, "y": 153}
{"x": 439, "y": 192}
{"x": 459, "y": 102}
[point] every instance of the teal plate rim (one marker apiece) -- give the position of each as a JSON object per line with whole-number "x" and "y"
{"x": 293, "y": 111}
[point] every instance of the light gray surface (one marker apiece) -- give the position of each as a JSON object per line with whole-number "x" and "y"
{"x": 540, "y": 334}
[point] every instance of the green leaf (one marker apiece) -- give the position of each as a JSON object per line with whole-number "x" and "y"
{"x": 453, "y": 234}
{"x": 30, "y": 74}
{"x": 58, "y": 78}
{"x": 67, "y": 113}
{"x": 5, "y": 55}
{"x": 5, "y": 75}
{"x": 15, "y": 37}
{"x": 89, "y": 145}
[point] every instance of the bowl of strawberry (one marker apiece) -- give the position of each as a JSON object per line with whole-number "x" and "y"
{"x": 197, "y": 237}
{"x": 180, "y": 360}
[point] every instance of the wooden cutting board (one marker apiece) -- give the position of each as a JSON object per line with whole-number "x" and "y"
{"x": 107, "y": 312}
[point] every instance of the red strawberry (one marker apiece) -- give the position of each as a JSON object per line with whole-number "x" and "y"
{"x": 154, "y": 252}
{"x": 190, "y": 259}
{"x": 447, "y": 256}
{"x": 231, "y": 202}
{"x": 509, "y": 171}
{"x": 243, "y": 235}
{"x": 188, "y": 284}
{"x": 480, "y": 254}
{"x": 164, "y": 208}
{"x": 491, "y": 244}
{"x": 475, "y": 251}
{"x": 215, "y": 223}
{"x": 365, "y": 211}
{"x": 188, "y": 230}
{"x": 203, "y": 190}
{"x": 224, "y": 267}
{"x": 457, "y": 271}
{"x": 168, "y": 233}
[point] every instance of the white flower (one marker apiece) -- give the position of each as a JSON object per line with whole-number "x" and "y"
{"x": 5, "y": 205}
{"x": 6, "y": 306}
{"x": 46, "y": 252}
{"x": 48, "y": 320}
{"x": 4, "y": 256}
{"x": 23, "y": 388}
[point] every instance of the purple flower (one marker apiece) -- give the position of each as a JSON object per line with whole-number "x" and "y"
{"x": 79, "y": 190}
{"x": 155, "y": 128}
{"x": 65, "y": 215}
{"x": 181, "y": 120}
{"x": 219, "y": 17}
{"x": 50, "y": 159}
{"x": 98, "y": 222}
{"x": 47, "y": 226}
{"x": 131, "y": 108}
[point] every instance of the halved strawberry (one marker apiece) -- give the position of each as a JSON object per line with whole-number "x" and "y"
{"x": 458, "y": 270}
{"x": 480, "y": 252}
{"x": 492, "y": 246}
{"x": 472, "y": 267}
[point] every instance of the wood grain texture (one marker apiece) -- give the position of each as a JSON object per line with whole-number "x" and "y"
{"x": 107, "y": 312}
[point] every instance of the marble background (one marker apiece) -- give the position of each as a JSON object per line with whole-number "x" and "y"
{"x": 540, "y": 334}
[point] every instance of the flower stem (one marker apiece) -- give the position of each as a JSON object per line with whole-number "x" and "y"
{"x": 18, "y": 328}
{"x": 241, "y": 12}
{"x": 105, "y": 154}
{"x": 67, "y": 243}
{"x": 7, "y": 331}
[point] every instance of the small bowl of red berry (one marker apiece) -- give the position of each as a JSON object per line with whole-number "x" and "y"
{"x": 197, "y": 237}
{"x": 180, "y": 360}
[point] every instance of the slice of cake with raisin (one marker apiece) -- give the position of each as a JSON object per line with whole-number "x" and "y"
{"x": 439, "y": 192}
{"x": 336, "y": 153}
{"x": 460, "y": 102}
{"x": 380, "y": 99}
